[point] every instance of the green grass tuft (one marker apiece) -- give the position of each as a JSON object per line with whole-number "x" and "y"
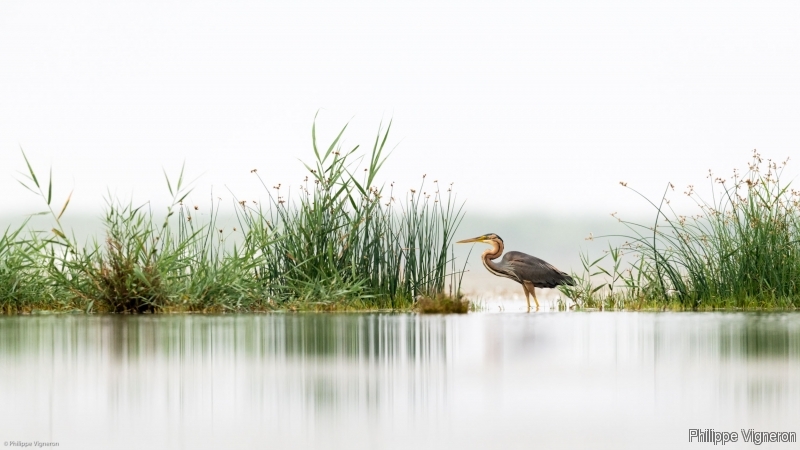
{"x": 442, "y": 304}
{"x": 343, "y": 242}
{"x": 344, "y": 239}
{"x": 741, "y": 250}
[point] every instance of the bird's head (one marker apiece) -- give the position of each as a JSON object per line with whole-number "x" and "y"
{"x": 486, "y": 238}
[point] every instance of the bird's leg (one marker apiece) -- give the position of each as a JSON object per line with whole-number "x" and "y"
{"x": 530, "y": 288}
{"x": 527, "y": 295}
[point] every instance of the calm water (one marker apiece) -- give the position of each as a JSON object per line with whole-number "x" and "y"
{"x": 359, "y": 381}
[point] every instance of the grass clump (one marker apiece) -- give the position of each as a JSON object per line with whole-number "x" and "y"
{"x": 741, "y": 250}
{"x": 143, "y": 266}
{"x": 442, "y": 304}
{"x": 22, "y": 288}
{"x": 343, "y": 242}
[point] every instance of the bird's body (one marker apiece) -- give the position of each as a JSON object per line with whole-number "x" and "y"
{"x": 529, "y": 271}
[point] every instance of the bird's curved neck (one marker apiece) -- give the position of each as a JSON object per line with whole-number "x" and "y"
{"x": 493, "y": 253}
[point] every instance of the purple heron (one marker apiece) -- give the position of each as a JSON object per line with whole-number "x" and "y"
{"x": 529, "y": 271}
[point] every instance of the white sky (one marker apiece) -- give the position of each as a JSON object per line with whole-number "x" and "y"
{"x": 563, "y": 99}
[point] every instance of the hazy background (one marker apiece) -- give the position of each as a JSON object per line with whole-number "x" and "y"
{"x": 535, "y": 110}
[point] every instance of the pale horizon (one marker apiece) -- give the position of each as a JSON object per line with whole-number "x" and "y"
{"x": 528, "y": 108}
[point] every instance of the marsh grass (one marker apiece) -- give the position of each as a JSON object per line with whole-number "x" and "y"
{"x": 141, "y": 265}
{"x": 741, "y": 250}
{"x": 443, "y": 304}
{"x": 342, "y": 242}
{"x": 21, "y": 286}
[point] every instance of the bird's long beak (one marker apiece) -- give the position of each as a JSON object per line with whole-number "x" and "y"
{"x": 465, "y": 241}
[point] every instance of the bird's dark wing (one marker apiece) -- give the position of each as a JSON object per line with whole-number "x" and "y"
{"x": 530, "y": 268}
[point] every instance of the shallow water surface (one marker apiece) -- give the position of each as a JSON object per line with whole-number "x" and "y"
{"x": 359, "y": 381}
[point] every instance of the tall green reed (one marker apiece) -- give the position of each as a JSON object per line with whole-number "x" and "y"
{"x": 21, "y": 285}
{"x": 741, "y": 249}
{"x": 143, "y": 264}
{"x": 344, "y": 239}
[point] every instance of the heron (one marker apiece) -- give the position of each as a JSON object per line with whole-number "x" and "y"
{"x": 529, "y": 271}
